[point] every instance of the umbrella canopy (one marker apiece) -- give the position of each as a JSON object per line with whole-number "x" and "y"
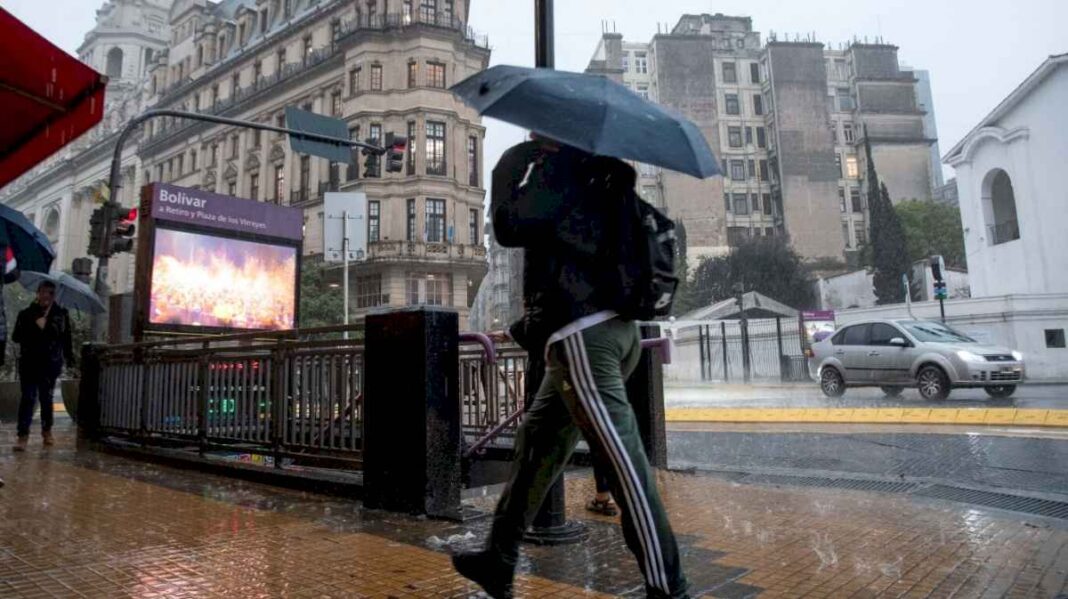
{"x": 71, "y": 293}
{"x": 47, "y": 97}
{"x": 30, "y": 246}
{"x": 591, "y": 113}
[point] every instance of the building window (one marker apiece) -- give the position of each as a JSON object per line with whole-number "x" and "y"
{"x": 235, "y": 84}
{"x": 279, "y": 183}
{"x": 734, "y": 137}
{"x": 762, "y": 137}
{"x": 737, "y": 170}
{"x": 732, "y": 104}
{"x": 374, "y": 216}
{"x": 860, "y": 232}
{"x": 213, "y": 157}
{"x": 192, "y": 160}
{"x": 354, "y": 81}
{"x": 413, "y": 74}
{"x": 263, "y": 21}
{"x": 335, "y": 29}
{"x": 999, "y": 202}
{"x": 254, "y": 186}
{"x": 410, "y": 218}
{"x": 741, "y": 204}
{"x": 764, "y": 174}
{"x": 754, "y": 202}
{"x": 406, "y": 12}
{"x": 281, "y": 58}
{"x": 854, "y": 198}
{"x": 214, "y": 95}
{"x": 841, "y": 200}
{"x": 231, "y": 189}
{"x": 369, "y": 291}
{"x": 838, "y": 163}
{"x": 280, "y": 122}
{"x": 372, "y": 12}
{"x": 376, "y": 77}
{"x": 847, "y": 133}
{"x": 335, "y": 103}
{"x": 641, "y": 63}
{"x": 626, "y": 62}
{"x": 234, "y": 142}
{"x": 730, "y": 72}
{"x": 845, "y": 235}
{"x": 767, "y": 203}
{"x": 758, "y": 104}
{"x": 435, "y": 74}
{"x": 410, "y": 158}
{"x": 435, "y": 221}
{"x": 737, "y": 235}
{"x": 373, "y": 163}
{"x": 472, "y": 226}
{"x": 472, "y": 161}
{"x": 727, "y": 201}
{"x": 754, "y": 72}
{"x": 305, "y": 177}
{"x": 428, "y": 11}
{"x": 435, "y": 148}
{"x": 852, "y": 170}
{"x": 643, "y": 90}
{"x": 181, "y": 159}
{"x": 429, "y": 289}
{"x": 845, "y": 100}
{"x": 748, "y": 136}
{"x": 752, "y": 168}
{"x": 287, "y": 6}
{"x": 1054, "y": 338}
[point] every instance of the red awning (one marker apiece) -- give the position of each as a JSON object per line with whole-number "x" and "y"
{"x": 47, "y": 98}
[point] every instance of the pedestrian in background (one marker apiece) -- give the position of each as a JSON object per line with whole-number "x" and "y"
{"x": 43, "y": 333}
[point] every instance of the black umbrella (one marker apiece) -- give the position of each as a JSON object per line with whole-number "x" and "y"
{"x": 591, "y": 113}
{"x": 32, "y": 250}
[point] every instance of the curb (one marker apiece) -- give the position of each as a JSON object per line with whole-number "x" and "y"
{"x": 973, "y": 416}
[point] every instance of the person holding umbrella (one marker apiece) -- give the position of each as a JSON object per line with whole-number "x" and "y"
{"x": 43, "y": 332}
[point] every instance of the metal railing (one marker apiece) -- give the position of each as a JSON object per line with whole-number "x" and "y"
{"x": 263, "y": 393}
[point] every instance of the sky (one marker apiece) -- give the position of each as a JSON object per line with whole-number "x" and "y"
{"x": 977, "y": 51}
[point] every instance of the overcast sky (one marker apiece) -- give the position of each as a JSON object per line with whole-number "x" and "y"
{"x": 976, "y": 50}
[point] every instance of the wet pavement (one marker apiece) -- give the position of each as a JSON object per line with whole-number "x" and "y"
{"x": 809, "y": 396}
{"x": 82, "y": 523}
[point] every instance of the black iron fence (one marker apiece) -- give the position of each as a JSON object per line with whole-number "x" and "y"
{"x": 281, "y": 395}
{"x": 754, "y": 349}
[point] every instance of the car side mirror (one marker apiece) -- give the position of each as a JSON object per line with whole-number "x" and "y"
{"x": 899, "y": 342}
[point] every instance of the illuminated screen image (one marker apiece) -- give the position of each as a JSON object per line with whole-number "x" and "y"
{"x": 206, "y": 281}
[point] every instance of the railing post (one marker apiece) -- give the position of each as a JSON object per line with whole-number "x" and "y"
{"x": 412, "y": 438}
{"x": 89, "y": 392}
{"x": 204, "y": 374}
{"x": 142, "y": 363}
{"x": 723, "y": 336}
{"x": 279, "y": 399}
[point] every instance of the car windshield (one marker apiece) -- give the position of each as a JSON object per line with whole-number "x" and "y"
{"x": 935, "y": 332}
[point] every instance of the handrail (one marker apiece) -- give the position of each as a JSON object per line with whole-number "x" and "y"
{"x": 484, "y": 340}
{"x": 478, "y": 445}
{"x": 282, "y": 334}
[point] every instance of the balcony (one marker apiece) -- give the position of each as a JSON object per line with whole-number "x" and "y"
{"x": 397, "y": 251}
{"x": 437, "y": 19}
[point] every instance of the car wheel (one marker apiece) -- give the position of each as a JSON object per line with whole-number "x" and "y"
{"x": 831, "y": 382}
{"x": 933, "y": 383}
{"x": 892, "y": 391}
{"x": 1000, "y": 391}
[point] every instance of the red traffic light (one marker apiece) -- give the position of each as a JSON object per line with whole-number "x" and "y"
{"x": 131, "y": 215}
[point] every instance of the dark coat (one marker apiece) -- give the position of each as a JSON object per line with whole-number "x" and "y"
{"x": 563, "y": 208}
{"x": 43, "y": 348}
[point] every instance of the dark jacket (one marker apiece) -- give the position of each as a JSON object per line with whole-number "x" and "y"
{"x": 47, "y": 347}
{"x": 564, "y": 209}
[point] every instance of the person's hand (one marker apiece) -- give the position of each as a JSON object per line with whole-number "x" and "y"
{"x": 41, "y": 322}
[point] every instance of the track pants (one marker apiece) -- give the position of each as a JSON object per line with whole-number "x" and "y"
{"x": 583, "y": 393}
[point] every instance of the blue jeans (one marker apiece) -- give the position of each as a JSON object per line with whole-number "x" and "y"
{"x": 36, "y": 387}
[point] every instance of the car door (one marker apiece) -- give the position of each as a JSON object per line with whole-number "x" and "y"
{"x": 887, "y": 363}
{"x": 852, "y": 353}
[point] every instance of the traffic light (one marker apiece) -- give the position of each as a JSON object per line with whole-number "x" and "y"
{"x": 370, "y": 164}
{"x": 122, "y": 230}
{"x": 395, "y": 147}
{"x": 938, "y": 268}
{"x": 98, "y": 232}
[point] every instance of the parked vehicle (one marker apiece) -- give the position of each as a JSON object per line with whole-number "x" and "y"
{"x": 930, "y": 356}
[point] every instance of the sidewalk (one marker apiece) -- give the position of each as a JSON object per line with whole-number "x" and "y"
{"x": 92, "y": 525}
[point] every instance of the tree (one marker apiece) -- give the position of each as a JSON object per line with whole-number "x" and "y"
{"x": 320, "y": 304}
{"x": 889, "y": 251}
{"x": 767, "y": 265}
{"x": 685, "y": 296}
{"x": 932, "y": 229}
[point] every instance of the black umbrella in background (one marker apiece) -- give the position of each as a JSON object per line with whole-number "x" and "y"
{"x": 32, "y": 250}
{"x": 591, "y": 113}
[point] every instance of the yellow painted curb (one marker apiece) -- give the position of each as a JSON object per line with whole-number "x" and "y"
{"x": 987, "y": 416}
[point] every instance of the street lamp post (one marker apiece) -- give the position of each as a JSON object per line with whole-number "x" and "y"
{"x": 112, "y": 206}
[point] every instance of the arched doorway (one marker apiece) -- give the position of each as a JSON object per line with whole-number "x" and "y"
{"x": 114, "y": 66}
{"x": 999, "y": 208}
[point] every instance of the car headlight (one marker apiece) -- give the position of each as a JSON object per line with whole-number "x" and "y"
{"x": 968, "y": 356}
{"x": 1017, "y": 356}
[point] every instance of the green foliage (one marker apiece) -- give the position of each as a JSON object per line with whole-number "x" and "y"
{"x": 685, "y": 297}
{"x": 320, "y": 304}
{"x": 932, "y": 229}
{"x": 889, "y": 250}
{"x": 767, "y": 265}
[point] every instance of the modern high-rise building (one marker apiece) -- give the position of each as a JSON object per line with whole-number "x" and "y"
{"x": 788, "y": 120}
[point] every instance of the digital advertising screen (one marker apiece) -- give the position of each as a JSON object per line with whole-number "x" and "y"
{"x": 208, "y": 281}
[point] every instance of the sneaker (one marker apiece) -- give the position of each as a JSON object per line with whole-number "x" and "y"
{"x": 21, "y": 442}
{"x": 48, "y": 439}
{"x": 489, "y": 571}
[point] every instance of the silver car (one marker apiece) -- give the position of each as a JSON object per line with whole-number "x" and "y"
{"x": 894, "y": 354}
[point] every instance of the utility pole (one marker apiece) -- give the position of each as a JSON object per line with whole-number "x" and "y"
{"x": 112, "y": 207}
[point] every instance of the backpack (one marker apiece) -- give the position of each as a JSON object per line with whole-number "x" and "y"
{"x": 646, "y": 266}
